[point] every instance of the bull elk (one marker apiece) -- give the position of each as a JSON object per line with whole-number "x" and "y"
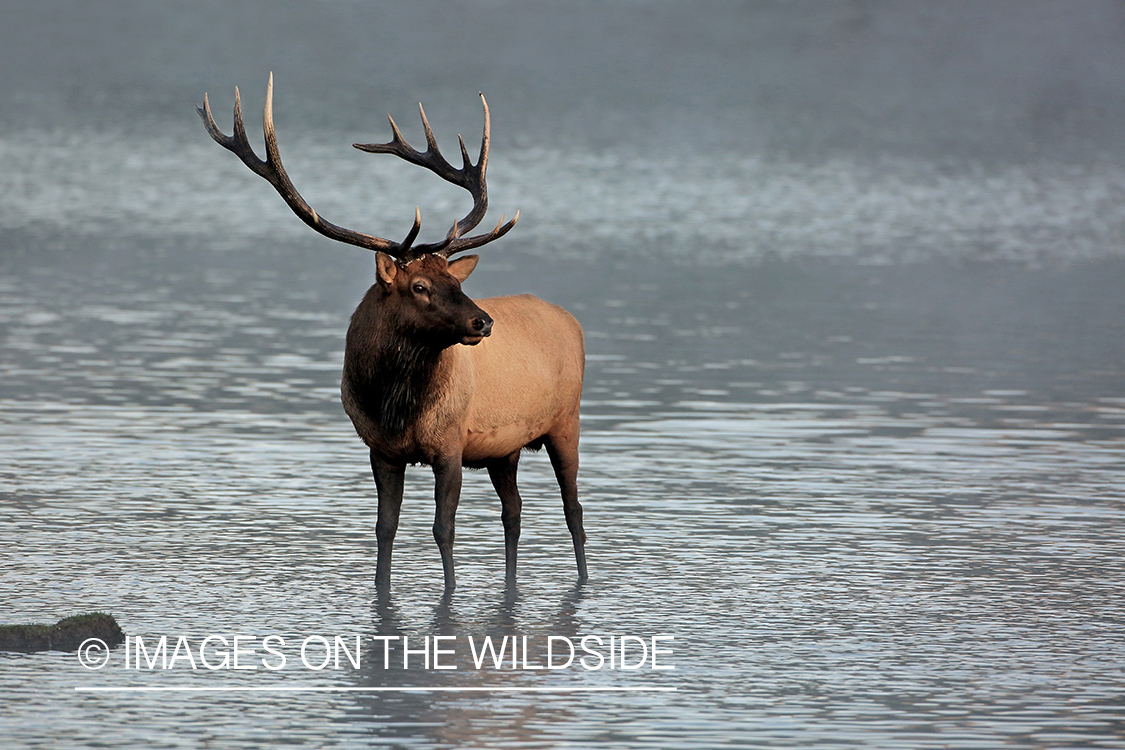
{"x": 432, "y": 377}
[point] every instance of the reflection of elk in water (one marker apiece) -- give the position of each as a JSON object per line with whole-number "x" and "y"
{"x": 427, "y": 379}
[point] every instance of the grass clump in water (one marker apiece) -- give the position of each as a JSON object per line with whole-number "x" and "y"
{"x": 65, "y": 635}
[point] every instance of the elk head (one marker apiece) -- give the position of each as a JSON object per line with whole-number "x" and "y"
{"x": 425, "y": 297}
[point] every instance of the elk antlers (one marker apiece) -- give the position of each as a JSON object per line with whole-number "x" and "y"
{"x": 470, "y": 177}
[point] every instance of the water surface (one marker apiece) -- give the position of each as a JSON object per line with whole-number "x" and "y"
{"x": 863, "y": 522}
